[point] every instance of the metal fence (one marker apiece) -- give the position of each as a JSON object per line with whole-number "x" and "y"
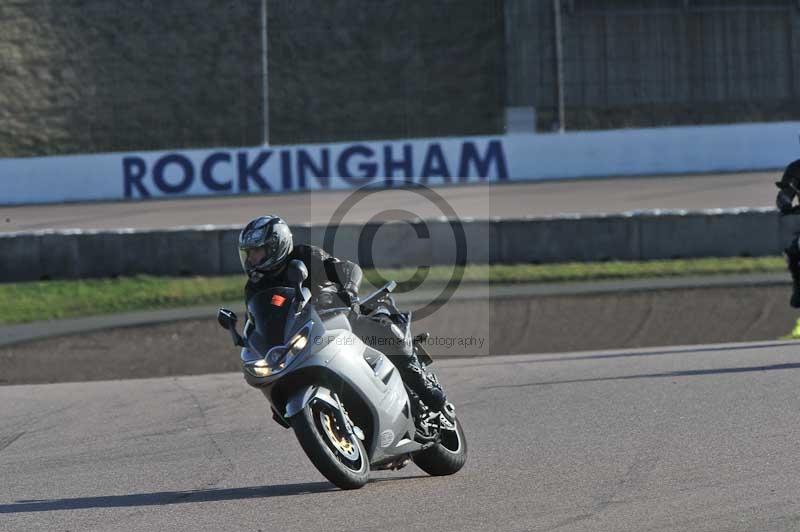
{"x": 626, "y": 63}
{"x": 93, "y": 75}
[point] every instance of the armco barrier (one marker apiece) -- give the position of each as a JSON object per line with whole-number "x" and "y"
{"x": 211, "y": 250}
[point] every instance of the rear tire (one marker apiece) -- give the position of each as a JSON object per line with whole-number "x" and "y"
{"x": 339, "y": 456}
{"x": 446, "y": 457}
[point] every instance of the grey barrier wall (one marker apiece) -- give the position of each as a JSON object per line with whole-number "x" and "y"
{"x": 211, "y": 250}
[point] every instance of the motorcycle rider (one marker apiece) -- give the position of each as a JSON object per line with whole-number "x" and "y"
{"x": 789, "y": 186}
{"x": 265, "y": 249}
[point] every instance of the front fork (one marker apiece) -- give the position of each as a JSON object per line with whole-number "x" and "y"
{"x": 305, "y": 397}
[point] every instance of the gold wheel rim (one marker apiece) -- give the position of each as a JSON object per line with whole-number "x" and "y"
{"x": 343, "y": 444}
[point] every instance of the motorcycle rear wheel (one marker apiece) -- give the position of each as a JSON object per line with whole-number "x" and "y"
{"x": 339, "y": 456}
{"x": 446, "y": 457}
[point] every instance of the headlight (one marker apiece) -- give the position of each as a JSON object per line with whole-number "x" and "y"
{"x": 276, "y": 357}
{"x": 280, "y": 356}
{"x": 260, "y": 368}
{"x": 299, "y": 341}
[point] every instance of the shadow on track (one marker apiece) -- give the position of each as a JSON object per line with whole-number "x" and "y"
{"x": 687, "y": 373}
{"x": 163, "y": 498}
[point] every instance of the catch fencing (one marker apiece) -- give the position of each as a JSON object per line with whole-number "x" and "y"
{"x": 643, "y": 63}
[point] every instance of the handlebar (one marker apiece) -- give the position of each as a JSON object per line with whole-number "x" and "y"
{"x": 385, "y": 289}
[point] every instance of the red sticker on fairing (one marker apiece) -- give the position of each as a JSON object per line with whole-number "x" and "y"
{"x": 278, "y": 300}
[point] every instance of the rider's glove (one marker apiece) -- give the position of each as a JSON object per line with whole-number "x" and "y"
{"x": 349, "y": 298}
{"x": 325, "y": 300}
{"x": 784, "y": 201}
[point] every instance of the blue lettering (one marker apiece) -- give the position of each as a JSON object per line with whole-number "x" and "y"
{"x": 207, "y": 172}
{"x": 494, "y": 155}
{"x": 368, "y": 169}
{"x": 252, "y": 171}
{"x": 186, "y": 168}
{"x": 286, "y": 169}
{"x": 435, "y": 165}
{"x": 406, "y": 164}
{"x": 133, "y": 171}
{"x": 322, "y": 172}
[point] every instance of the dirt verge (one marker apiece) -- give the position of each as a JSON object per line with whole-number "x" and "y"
{"x": 463, "y": 328}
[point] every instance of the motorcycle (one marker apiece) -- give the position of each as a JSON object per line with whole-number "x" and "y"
{"x": 344, "y": 400}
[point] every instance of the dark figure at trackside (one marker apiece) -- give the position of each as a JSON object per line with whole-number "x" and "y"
{"x": 265, "y": 250}
{"x": 789, "y": 189}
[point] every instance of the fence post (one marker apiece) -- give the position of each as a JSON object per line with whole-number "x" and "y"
{"x": 559, "y": 66}
{"x": 264, "y": 73}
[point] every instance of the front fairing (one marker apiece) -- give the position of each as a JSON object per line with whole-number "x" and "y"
{"x": 273, "y": 330}
{"x": 270, "y": 312}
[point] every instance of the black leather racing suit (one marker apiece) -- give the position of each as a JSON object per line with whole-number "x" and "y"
{"x": 789, "y": 186}
{"x": 325, "y": 272}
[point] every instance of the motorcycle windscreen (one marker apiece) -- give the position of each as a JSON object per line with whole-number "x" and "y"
{"x": 269, "y": 310}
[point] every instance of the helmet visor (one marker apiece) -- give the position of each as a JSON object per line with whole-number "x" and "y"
{"x": 255, "y": 256}
{"x": 262, "y": 258}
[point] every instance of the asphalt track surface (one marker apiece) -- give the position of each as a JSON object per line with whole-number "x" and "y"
{"x": 479, "y": 201}
{"x": 698, "y": 438}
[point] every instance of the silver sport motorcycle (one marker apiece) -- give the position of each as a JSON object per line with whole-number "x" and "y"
{"x": 345, "y": 401}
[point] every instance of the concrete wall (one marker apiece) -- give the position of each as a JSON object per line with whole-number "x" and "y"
{"x": 656, "y": 62}
{"x": 97, "y": 76}
{"x": 430, "y": 162}
{"x": 82, "y": 76}
{"x": 667, "y": 235}
{"x": 377, "y": 69}
{"x": 92, "y": 75}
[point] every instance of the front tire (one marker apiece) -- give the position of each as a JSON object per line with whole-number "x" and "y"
{"x": 448, "y": 456}
{"x": 339, "y": 456}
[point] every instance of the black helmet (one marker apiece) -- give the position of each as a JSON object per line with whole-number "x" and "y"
{"x": 264, "y": 244}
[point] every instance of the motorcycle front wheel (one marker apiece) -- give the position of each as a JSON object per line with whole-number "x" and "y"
{"x": 339, "y": 456}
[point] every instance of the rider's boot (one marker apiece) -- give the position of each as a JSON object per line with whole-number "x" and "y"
{"x": 793, "y": 263}
{"x": 428, "y": 391}
{"x": 427, "y": 388}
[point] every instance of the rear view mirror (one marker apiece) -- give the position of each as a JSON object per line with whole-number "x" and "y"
{"x": 297, "y": 272}
{"x": 227, "y": 320}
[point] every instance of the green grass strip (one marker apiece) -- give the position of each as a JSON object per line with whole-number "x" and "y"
{"x": 592, "y": 271}
{"x": 33, "y": 301}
